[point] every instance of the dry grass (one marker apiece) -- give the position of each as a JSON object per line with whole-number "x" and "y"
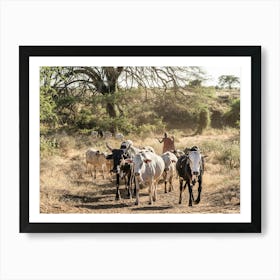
{"x": 67, "y": 188}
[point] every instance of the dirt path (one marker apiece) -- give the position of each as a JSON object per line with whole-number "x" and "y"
{"x": 84, "y": 196}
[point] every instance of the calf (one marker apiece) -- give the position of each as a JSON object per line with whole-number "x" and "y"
{"x": 148, "y": 167}
{"x": 190, "y": 168}
{"x": 169, "y": 170}
{"x": 96, "y": 160}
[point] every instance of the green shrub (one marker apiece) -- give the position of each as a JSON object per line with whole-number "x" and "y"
{"x": 85, "y": 119}
{"x": 48, "y": 146}
{"x": 47, "y": 110}
{"x": 217, "y": 118}
{"x": 226, "y": 153}
{"x": 232, "y": 116}
{"x": 230, "y": 155}
{"x": 203, "y": 119}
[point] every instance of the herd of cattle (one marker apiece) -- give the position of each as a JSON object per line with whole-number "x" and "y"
{"x": 143, "y": 166}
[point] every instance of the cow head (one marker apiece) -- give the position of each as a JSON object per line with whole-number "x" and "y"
{"x": 140, "y": 160}
{"x": 195, "y": 163}
{"x": 116, "y": 156}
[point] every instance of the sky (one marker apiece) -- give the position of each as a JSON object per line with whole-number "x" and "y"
{"x": 216, "y": 72}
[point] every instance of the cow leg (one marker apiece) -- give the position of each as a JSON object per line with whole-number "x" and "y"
{"x": 118, "y": 194}
{"x": 137, "y": 191}
{"x": 199, "y": 191}
{"x": 170, "y": 184}
{"x": 89, "y": 170}
{"x": 165, "y": 181}
{"x": 190, "y": 194}
{"x": 165, "y": 187}
{"x": 95, "y": 172}
{"x": 125, "y": 181}
{"x": 181, "y": 191}
{"x": 111, "y": 176}
{"x": 129, "y": 194}
{"x": 103, "y": 171}
{"x": 134, "y": 180}
{"x": 151, "y": 192}
{"x": 155, "y": 191}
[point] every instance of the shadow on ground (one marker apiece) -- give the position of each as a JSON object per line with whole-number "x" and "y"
{"x": 152, "y": 208}
{"x": 79, "y": 198}
{"x": 103, "y": 206}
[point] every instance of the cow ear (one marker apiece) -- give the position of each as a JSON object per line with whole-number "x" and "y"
{"x": 147, "y": 160}
{"x": 128, "y": 160}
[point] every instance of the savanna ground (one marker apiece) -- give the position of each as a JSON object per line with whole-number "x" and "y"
{"x": 65, "y": 186}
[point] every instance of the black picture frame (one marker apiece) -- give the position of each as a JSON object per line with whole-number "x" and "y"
{"x": 254, "y": 52}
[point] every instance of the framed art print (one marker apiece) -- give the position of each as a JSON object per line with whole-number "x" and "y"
{"x": 140, "y": 138}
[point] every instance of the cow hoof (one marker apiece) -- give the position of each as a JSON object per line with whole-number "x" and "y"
{"x": 117, "y": 198}
{"x": 150, "y": 203}
{"x": 136, "y": 203}
{"x": 180, "y": 202}
{"x": 190, "y": 205}
{"x": 197, "y": 201}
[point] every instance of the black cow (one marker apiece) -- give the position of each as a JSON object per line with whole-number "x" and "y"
{"x": 190, "y": 168}
{"x": 121, "y": 169}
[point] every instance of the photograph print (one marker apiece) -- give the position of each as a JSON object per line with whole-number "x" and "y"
{"x": 140, "y": 139}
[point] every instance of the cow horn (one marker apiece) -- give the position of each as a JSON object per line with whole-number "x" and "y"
{"x": 129, "y": 145}
{"x": 107, "y": 145}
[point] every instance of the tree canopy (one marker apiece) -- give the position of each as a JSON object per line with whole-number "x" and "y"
{"x": 66, "y": 83}
{"x": 228, "y": 81}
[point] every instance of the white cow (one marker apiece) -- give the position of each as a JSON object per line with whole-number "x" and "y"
{"x": 119, "y": 136}
{"x": 148, "y": 167}
{"x": 97, "y": 161}
{"x": 169, "y": 173}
